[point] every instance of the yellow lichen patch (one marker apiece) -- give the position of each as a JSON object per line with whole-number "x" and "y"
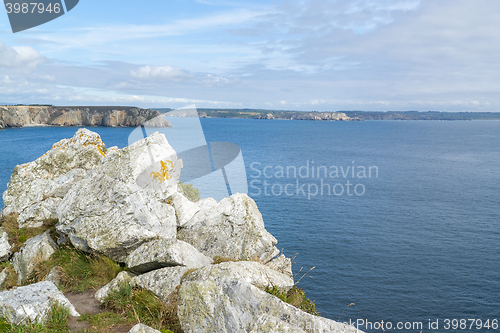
{"x": 100, "y": 150}
{"x": 165, "y": 173}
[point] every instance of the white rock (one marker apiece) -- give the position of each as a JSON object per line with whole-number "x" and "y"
{"x": 32, "y": 303}
{"x": 34, "y": 215}
{"x": 33, "y": 182}
{"x": 165, "y": 252}
{"x": 109, "y": 212}
{"x": 122, "y": 277}
{"x": 3, "y": 276}
{"x": 161, "y": 282}
{"x": 250, "y": 272}
{"x": 54, "y": 275}
{"x": 184, "y": 208}
{"x": 36, "y": 249}
{"x": 233, "y": 228}
{"x": 281, "y": 264}
{"x": 66, "y": 181}
{"x": 5, "y": 248}
{"x": 227, "y": 305}
{"x": 141, "y": 328}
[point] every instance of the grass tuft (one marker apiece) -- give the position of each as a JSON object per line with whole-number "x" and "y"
{"x": 137, "y": 305}
{"x": 17, "y": 236}
{"x": 81, "y": 271}
{"x": 295, "y": 296}
{"x": 11, "y": 279}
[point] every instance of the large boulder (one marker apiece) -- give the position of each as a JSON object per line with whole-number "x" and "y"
{"x": 36, "y": 249}
{"x": 112, "y": 210}
{"x": 228, "y": 306}
{"x": 233, "y": 229}
{"x": 250, "y": 272}
{"x": 5, "y": 248}
{"x": 32, "y": 184}
{"x": 161, "y": 282}
{"x": 32, "y": 303}
{"x": 34, "y": 215}
{"x": 184, "y": 208}
{"x": 165, "y": 252}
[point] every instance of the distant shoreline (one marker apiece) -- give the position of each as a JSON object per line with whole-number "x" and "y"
{"x": 341, "y": 115}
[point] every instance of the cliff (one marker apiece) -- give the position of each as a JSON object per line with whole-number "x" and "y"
{"x": 107, "y": 116}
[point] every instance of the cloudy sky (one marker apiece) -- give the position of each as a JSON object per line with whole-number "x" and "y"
{"x": 286, "y": 54}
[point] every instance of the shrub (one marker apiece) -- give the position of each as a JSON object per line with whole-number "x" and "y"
{"x": 295, "y": 296}
{"x": 189, "y": 191}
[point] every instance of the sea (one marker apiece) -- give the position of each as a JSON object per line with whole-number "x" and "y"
{"x": 392, "y": 225}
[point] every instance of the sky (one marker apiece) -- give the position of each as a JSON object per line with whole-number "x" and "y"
{"x": 324, "y": 55}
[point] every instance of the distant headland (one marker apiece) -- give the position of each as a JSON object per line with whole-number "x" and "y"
{"x": 343, "y": 115}
{"x": 49, "y": 115}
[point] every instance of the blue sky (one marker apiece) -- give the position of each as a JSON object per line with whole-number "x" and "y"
{"x": 290, "y": 54}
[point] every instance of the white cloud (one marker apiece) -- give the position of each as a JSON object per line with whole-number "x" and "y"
{"x": 159, "y": 73}
{"x": 21, "y": 57}
{"x": 214, "y": 81}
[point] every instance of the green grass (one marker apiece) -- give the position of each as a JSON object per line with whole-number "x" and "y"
{"x": 81, "y": 271}
{"x": 55, "y": 323}
{"x": 11, "y": 279}
{"x": 137, "y": 305}
{"x": 296, "y": 297}
{"x": 17, "y": 236}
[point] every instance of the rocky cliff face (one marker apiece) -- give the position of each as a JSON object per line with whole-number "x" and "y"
{"x": 108, "y": 116}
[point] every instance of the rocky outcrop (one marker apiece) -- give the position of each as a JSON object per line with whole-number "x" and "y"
{"x": 110, "y": 212}
{"x": 32, "y": 303}
{"x": 35, "y": 250}
{"x": 165, "y": 252}
{"x": 108, "y": 116}
{"x": 36, "y": 188}
{"x": 233, "y": 229}
{"x": 250, "y": 272}
{"x": 229, "y": 306}
{"x": 161, "y": 282}
{"x": 124, "y": 204}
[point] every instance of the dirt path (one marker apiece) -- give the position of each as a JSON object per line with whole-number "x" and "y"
{"x": 85, "y": 303}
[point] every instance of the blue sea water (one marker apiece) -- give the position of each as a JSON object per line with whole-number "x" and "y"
{"x": 420, "y": 239}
